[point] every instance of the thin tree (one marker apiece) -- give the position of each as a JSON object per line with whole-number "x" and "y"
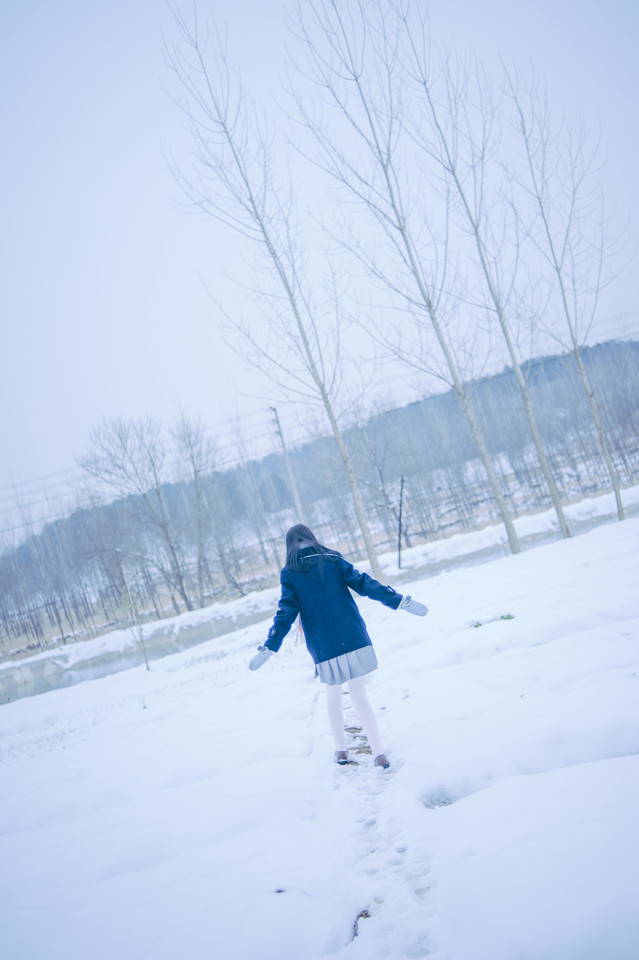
{"x": 129, "y": 458}
{"x": 353, "y": 59}
{"x": 233, "y": 181}
{"x": 571, "y": 237}
{"x": 456, "y": 131}
{"x": 131, "y": 603}
{"x": 196, "y": 453}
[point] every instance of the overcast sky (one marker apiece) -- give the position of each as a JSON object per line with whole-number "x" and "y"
{"x": 103, "y": 308}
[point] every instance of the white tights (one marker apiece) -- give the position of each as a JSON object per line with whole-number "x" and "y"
{"x": 357, "y": 690}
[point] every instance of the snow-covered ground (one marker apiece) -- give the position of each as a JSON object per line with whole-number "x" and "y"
{"x": 194, "y": 811}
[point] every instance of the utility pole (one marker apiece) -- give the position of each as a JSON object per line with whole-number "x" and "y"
{"x": 289, "y": 472}
{"x": 399, "y": 525}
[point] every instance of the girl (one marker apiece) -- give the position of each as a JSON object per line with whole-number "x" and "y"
{"x": 315, "y": 584}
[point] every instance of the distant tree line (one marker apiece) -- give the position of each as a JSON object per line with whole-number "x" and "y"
{"x": 166, "y": 546}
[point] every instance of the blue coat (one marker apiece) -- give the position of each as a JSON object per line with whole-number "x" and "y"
{"x": 320, "y": 594}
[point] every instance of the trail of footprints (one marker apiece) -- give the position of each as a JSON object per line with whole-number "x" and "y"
{"x": 400, "y": 908}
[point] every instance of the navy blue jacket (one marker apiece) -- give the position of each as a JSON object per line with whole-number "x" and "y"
{"x": 319, "y": 593}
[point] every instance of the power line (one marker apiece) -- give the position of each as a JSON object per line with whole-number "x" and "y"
{"x": 46, "y": 476}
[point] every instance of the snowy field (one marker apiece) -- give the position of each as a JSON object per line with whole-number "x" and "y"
{"x": 194, "y": 811}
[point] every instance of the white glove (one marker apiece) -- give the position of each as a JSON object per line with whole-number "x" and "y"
{"x": 413, "y": 606}
{"x": 260, "y": 658}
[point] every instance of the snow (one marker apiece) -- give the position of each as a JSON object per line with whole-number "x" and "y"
{"x": 195, "y": 811}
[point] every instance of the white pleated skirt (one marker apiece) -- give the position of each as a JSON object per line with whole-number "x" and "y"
{"x": 347, "y": 666}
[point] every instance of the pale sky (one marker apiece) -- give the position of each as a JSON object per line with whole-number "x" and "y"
{"x": 102, "y": 304}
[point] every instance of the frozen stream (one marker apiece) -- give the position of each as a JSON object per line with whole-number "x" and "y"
{"x": 56, "y": 668}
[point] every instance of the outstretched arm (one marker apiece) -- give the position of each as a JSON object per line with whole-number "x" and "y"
{"x": 287, "y": 611}
{"x": 368, "y": 587}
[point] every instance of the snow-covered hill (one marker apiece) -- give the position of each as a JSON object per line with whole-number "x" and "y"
{"x": 195, "y": 812}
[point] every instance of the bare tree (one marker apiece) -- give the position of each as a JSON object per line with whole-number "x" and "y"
{"x": 561, "y": 182}
{"x": 457, "y": 131}
{"x": 353, "y": 57}
{"x": 131, "y": 603}
{"x": 129, "y": 458}
{"x": 233, "y": 181}
{"x": 196, "y": 455}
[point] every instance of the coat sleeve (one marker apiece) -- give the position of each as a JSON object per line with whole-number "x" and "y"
{"x": 287, "y": 611}
{"x": 367, "y": 587}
